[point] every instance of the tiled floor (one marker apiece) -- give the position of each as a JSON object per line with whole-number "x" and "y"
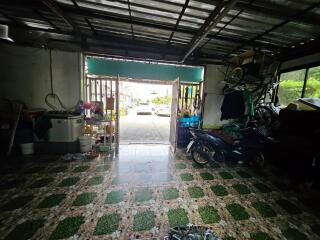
{"x": 141, "y": 194}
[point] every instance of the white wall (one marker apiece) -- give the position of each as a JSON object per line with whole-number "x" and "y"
{"x": 213, "y": 86}
{"x": 25, "y": 75}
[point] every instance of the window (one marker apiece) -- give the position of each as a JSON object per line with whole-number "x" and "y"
{"x": 313, "y": 83}
{"x": 291, "y": 86}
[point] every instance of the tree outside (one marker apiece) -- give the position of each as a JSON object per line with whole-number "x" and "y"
{"x": 291, "y": 85}
{"x": 162, "y": 100}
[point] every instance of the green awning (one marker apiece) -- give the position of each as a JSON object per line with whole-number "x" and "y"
{"x": 144, "y": 70}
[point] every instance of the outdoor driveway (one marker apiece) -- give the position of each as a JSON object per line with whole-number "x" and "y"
{"x": 144, "y": 128}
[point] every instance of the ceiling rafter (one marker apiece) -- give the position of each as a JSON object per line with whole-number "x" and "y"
{"x": 295, "y": 17}
{"x": 86, "y": 19}
{"x": 46, "y": 19}
{"x": 130, "y": 16}
{"x": 178, "y": 20}
{"x": 219, "y": 12}
{"x": 225, "y": 25}
{"x": 54, "y": 7}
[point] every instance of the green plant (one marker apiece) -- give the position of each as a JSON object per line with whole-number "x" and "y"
{"x": 195, "y": 192}
{"x": 95, "y": 180}
{"x": 25, "y": 230}
{"x": 123, "y": 112}
{"x": 143, "y": 221}
{"x": 41, "y": 183}
{"x": 84, "y": 198}
{"x": 81, "y": 168}
{"x": 209, "y": 214}
{"x": 260, "y": 236}
{"x": 107, "y": 224}
{"x": 67, "y": 182}
{"x": 264, "y": 209}
{"x": 237, "y": 211}
{"x": 244, "y": 174}
{"x": 170, "y": 193}
{"x": 52, "y": 200}
{"x": 241, "y": 189}
{"x": 225, "y": 175}
{"x": 177, "y": 217}
{"x": 16, "y": 203}
{"x": 143, "y": 195}
{"x": 288, "y": 206}
{"x": 294, "y": 234}
{"x": 67, "y": 227}
{"x": 219, "y": 190}
{"x": 229, "y": 238}
{"x": 114, "y": 197}
{"x": 180, "y": 166}
{"x": 186, "y": 177}
{"x": 262, "y": 187}
{"x": 162, "y": 100}
{"x": 206, "y": 176}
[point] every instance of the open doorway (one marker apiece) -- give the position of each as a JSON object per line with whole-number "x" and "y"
{"x": 145, "y": 111}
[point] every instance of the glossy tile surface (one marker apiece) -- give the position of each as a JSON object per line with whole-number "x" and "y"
{"x": 141, "y": 193}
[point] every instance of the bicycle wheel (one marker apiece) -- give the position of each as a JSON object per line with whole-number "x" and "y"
{"x": 235, "y": 77}
{"x": 264, "y": 116}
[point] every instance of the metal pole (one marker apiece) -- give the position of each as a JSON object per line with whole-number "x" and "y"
{"x": 95, "y": 90}
{"x": 117, "y": 114}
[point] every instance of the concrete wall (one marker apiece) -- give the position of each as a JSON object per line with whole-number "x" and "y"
{"x": 25, "y": 75}
{"x": 213, "y": 86}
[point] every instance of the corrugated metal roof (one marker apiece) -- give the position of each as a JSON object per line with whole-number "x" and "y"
{"x": 172, "y": 24}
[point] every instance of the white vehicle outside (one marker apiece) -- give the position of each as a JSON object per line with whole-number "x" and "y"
{"x": 144, "y": 108}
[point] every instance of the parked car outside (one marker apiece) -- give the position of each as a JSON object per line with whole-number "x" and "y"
{"x": 163, "y": 110}
{"x": 144, "y": 109}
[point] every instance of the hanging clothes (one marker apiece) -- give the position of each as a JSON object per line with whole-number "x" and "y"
{"x": 233, "y": 105}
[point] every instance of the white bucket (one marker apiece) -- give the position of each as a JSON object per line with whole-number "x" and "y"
{"x": 85, "y": 143}
{"x": 27, "y": 148}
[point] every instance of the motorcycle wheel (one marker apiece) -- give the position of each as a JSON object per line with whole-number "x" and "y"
{"x": 202, "y": 156}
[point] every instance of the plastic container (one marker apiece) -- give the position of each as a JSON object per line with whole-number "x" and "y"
{"x": 27, "y": 148}
{"x": 66, "y": 129}
{"x": 85, "y": 143}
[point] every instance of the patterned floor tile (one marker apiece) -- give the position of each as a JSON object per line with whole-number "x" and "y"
{"x": 144, "y": 191}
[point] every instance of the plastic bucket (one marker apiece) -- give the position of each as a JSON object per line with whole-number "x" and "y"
{"x": 85, "y": 143}
{"x": 27, "y": 148}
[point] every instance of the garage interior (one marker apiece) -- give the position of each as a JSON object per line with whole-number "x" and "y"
{"x": 243, "y": 155}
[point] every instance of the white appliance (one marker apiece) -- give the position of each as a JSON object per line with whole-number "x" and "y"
{"x": 66, "y": 128}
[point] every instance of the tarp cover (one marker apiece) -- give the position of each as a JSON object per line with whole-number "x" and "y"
{"x": 144, "y": 70}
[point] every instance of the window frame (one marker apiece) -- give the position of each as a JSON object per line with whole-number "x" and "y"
{"x": 306, "y": 67}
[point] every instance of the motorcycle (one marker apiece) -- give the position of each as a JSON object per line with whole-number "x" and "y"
{"x": 206, "y": 147}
